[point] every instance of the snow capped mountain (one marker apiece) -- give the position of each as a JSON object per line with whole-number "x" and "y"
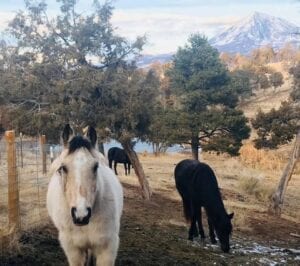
{"x": 255, "y": 31}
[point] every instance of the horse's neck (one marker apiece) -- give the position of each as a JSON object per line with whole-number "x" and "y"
{"x": 215, "y": 207}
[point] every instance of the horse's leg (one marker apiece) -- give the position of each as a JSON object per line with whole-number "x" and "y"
{"x": 115, "y": 166}
{"x": 193, "y": 232}
{"x": 110, "y": 163}
{"x": 211, "y": 231}
{"x": 75, "y": 256}
{"x": 129, "y": 168}
{"x": 106, "y": 254}
{"x": 125, "y": 167}
{"x": 199, "y": 221}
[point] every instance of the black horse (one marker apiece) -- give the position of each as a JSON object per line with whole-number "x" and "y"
{"x": 198, "y": 187}
{"x": 118, "y": 155}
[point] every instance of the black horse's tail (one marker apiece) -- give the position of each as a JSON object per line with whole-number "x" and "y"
{"x": 187, "y": 209}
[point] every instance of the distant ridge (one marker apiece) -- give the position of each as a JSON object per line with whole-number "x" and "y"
{"x": 147, "y": 60}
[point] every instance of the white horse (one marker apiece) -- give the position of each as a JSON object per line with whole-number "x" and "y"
{"x": 85, "y": 201}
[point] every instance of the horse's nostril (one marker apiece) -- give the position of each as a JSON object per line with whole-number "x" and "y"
{"x": 73, "y": 213}
{"x": 83, "y": 220}
{"x": 89, "y": 213}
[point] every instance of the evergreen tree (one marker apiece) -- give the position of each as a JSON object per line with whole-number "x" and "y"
{"x": 276, "y": 79}
{"x": 295, "y": 72}
{"x": 241, "y": 83}
{"x": 207, "y": 101}
{"x": 263, "y": 81}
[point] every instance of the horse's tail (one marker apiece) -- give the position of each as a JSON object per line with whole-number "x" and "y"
{"x": 187, "y": 209}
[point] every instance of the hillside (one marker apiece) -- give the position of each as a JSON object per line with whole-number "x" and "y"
{"x": 269, "y": 98}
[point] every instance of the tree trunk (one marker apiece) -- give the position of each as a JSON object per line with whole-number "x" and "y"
{"x": 278, "y": 196}
{"x": 101, "y": 147}
{"x": 195, "y": 147}
{"x": 138, "y": 169}
{"x": 155, "y": 147}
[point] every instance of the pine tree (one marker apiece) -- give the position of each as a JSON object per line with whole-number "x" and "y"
{"x": 207, "y": 100}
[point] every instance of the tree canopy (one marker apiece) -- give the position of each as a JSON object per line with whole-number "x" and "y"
{"x": 207, "y": 99}
{"x": 74, "y": 68}
{"x": 280, "y": 126}
{"x": 276, "y": 79}
{"x": 55, "y": 71}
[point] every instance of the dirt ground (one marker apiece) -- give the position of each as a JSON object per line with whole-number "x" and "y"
{"x": 155, "y": 233}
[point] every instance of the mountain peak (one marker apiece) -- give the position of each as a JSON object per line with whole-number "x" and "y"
{"x": 259, "y": 15}
{"x": 254, "y": 31}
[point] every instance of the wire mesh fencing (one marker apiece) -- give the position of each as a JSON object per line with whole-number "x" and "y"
{"x": 24, "y": 165}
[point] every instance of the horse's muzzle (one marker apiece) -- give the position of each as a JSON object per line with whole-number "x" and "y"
{"x": 81, "y": 220}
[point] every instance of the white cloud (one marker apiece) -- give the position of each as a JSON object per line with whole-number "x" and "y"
{"x": 5, "y": 17}
{"x": 166, "y": 30}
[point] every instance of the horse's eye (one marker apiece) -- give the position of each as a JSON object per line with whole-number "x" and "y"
{"x": 63, "y": 170}
{"x": 95, "y": 168}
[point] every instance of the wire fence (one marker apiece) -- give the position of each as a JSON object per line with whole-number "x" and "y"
{"x": 23, "y": 183}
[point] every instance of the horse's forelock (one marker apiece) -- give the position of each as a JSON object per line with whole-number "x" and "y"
{"x": 79, "y": 142}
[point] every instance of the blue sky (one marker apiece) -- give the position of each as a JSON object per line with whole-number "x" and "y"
{"x": 168, "y": 23}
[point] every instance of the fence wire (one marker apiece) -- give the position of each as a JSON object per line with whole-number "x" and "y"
{"x": 31, "y": 183}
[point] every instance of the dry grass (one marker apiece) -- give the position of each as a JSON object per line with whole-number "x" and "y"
{"x": 254, "y": 187}
{"x": 262, "y": 159}
{"x": 240, "y": 220}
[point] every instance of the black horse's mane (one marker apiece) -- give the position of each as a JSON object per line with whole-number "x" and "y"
{"x": 79, "y": 142}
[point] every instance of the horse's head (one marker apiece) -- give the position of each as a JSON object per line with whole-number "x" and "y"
{"x": 78, "y": 171}
{"x": 223, "y": 229}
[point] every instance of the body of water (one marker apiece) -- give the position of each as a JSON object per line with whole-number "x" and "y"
{"x": 141, "y": 146}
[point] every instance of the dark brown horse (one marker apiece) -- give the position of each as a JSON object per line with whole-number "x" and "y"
{"x": 198, "y": 187}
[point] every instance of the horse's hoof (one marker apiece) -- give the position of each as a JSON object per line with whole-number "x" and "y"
{"x": 213, "y": 241}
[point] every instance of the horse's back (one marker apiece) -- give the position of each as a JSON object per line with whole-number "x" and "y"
{"x": 195, "y": 179}
{"x": 111, "y": 152}
{"x": 118, "y": 155}
{"x": 183, "y": 175}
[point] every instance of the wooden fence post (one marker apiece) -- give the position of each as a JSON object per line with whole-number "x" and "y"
{"x": 44, "y": 154}
{"x": 21, "y": 148}
{"x": 13, "y": 186}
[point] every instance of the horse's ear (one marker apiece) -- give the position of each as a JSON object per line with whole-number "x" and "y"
{"x": 91, "y": 134}
{"x": 67, "y": 134}
{"x": 231, "y": 215}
